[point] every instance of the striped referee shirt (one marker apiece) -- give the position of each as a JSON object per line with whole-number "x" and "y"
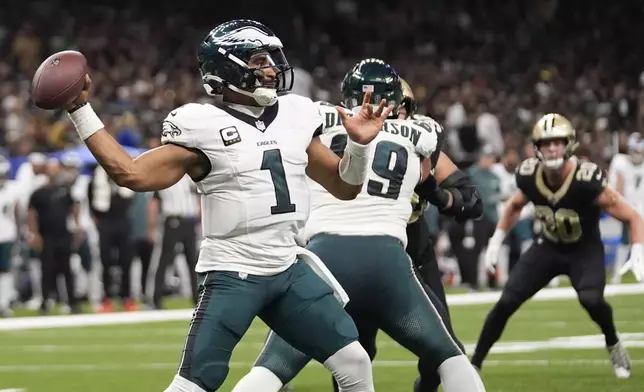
{"x": 180, "y": 200}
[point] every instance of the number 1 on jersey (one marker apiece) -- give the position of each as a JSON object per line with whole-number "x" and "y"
{"x": 272, "y": 161}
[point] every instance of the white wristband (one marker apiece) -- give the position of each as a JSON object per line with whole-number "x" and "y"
{"x": 498, "y": 236}
{"x": 86, "y": 121}
{"x": 353, "y": 165}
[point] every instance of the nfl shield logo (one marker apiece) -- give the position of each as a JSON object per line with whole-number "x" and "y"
{"x": 260, "y": 125}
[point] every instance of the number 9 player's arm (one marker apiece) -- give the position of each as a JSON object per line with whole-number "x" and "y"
{"x": 343, "y": 178}
{"x": 617, "y": 207}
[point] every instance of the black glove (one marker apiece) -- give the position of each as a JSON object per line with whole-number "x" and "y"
{"x": 466, "y": 203}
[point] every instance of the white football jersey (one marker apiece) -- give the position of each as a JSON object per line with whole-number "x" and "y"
{"x": 79, "y": 194}
{"x": 10, "y": 194}
{"x": 255, "y": 199}
{"x": 383, "y": 207}
{"x": 509, "y": 187}
{"x": 632, "y": 176}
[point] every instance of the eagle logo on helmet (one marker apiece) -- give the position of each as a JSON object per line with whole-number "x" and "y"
{"x": 225, "y": 62}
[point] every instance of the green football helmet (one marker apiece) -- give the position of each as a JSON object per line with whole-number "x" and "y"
{"x": 224, "y": 56}
{"x": 372, "y": 75}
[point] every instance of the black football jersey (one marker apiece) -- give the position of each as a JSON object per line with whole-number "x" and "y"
{"x": 568, "y": 214}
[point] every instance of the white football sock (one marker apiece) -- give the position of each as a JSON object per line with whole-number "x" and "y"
{"x": 458, "y": 375}
{"x": 180, "y": 384}
{"x": 351, "y": 367}
{"x": 5, "y": 290}
{"x": 259, "y": 379}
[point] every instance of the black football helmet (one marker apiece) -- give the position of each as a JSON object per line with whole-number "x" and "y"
{"x": 372, "y": 75}
{"x": 224, "y": 55}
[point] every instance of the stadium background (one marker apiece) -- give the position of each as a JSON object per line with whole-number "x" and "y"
{"x": 466, "y": 60}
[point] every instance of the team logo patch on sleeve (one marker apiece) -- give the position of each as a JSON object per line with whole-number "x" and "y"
{"x": 170, "y": 130}
{"x": 230, "y": 136}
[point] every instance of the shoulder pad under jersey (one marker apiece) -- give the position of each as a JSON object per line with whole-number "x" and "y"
{"x": 440, "y": 134}
{"x": 331, "y": 121}
{"x": 591, "y": 178}
{"x": 179, "y": 123}
{"x": 420, "y": 134}
{"x": 525, "y": 172}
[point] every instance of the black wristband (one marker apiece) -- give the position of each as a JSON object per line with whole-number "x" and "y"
{"x": 75, "y": 108}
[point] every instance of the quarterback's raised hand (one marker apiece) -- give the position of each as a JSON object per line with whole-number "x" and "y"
{"x": 364, "y": 126}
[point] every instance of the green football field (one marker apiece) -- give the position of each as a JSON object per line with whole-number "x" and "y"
{"x": 548, "y": 346}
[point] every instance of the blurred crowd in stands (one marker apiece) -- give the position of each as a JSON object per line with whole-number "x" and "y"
{"x": 466, "y": 60}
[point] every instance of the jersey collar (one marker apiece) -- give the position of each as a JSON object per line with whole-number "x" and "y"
{"x": 555, "y": 197}
{"x": 260, "y": 123}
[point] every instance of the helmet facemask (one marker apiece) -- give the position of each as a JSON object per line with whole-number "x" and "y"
{"x": 238, "y": 60}
{"x": 554, "y": 161}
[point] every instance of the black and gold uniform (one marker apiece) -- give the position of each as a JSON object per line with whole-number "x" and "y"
{"x": 569, "y": 242}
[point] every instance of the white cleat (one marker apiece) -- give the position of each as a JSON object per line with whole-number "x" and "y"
{"x": 620, "y": 359}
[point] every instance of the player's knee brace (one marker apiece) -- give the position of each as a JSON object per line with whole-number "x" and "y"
{"x": 351, "y": 368}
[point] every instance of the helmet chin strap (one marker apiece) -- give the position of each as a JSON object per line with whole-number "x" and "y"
{"x": 262, "y": 95}
{"x": 553, "y": 163}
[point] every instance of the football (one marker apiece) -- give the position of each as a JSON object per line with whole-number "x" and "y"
{"x": 59, "y": 80}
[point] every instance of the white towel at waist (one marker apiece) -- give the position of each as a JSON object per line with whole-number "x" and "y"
{"x": 319, "y": 268}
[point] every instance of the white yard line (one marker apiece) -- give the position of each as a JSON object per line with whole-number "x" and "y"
{"x": 31, "y": 368}
{"x": 22, "y": 323}
{"x": 586, "y": 342}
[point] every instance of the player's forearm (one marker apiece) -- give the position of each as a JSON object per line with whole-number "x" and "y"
{"x": 509, "y": 218}
{"x": 636, "y": 226}
{"x": 512, "y": 212}
{"x": 444, "y": 168}
{"x": 117, "y": 163}
{"x": 343, "y": 178}
{"x": 153, "y": 170}
{"x": 108, "y": 152}
{"x": 352, "y": 169}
